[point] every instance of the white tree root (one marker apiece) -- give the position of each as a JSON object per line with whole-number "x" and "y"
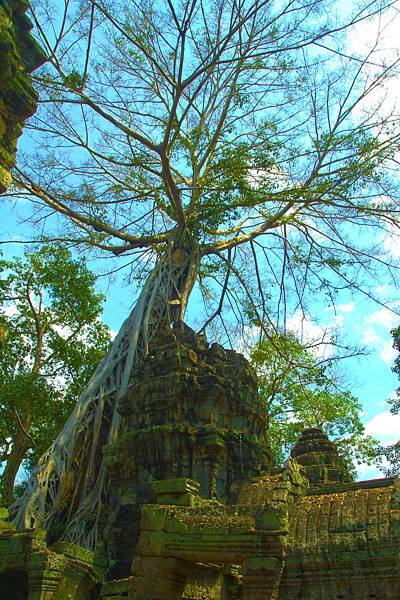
{"x": 69, "y": 478}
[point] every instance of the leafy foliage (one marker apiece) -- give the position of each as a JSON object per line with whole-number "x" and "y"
{"x": 392, "y": 452}
{"x": 395, "y": 402}
{"x": 53, "y": 341}
{"x": 300, "y": 391}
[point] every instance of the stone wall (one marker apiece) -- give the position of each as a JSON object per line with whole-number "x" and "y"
{"x": 19, "y": 55}
{"x": 344, "y": 543}
{"x": 30, "y": 569}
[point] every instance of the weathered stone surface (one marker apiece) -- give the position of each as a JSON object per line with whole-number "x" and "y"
{"x": 320, "y": 459}
{"x": 184, "y": 492}
{"x": 116, "y": 589}
{"x": 344, "y": 543}
{"x": 208, "y": 533}
{"x": 196, "y": 511}
{"x": 19, "y": 55}
{"x": 30, "y": 569}
{"x": 192, "y": 412}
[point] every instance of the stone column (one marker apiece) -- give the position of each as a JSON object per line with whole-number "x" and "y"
{"x": 261, "y": 578}
{"x": 45, "y": 571}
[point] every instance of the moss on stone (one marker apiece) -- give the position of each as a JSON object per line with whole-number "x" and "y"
{"x": 19, "y": 55}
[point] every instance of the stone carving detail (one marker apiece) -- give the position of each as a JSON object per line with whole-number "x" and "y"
{"x": 30, "y": 569}
{"x": 175, "y": 539}
{"x": 344, "y": 542}
{"x": 19, "y": 55}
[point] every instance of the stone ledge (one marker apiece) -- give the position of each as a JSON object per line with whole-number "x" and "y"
{"x": 368, "y": 484}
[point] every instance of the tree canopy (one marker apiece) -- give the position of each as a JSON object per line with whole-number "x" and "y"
{"x": 301, "y": 390}
{"x": 392, "y": 451}
{"x": 50, "y": 311}
{"x": 246, "y": 127}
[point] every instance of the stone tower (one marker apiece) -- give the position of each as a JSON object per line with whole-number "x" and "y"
{"x": 320, "y": 459}
{"x": 192, "y": 412}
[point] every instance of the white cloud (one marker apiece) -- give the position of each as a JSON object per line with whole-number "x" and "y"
{"x": 391, "y": 242}
{"x": 251, "y": 335}
{"x": 365, "y": 471}
{"x": 349, "y": 307}
{"x": 384, "y": 290}
{"x": 60, "y": 382}
{"x": 303, "y": 327}
{"x": 385, "y": 427}
{"x": 63, "y": 330}
{"x": 380, "y": 343}
{"x": 313, "y": 230}
{"x": 316, "y": 336}
{"x": 380, "y": 35}
{"x": 388, "y": 353}
{"x": 339, "y": 320}
{"x": 371, "y": 338}
{"x": 383, "y": 318}
{"x": 338, "y": 317}
{"x": 10, "y": 310}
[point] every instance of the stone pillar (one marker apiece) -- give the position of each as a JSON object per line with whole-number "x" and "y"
{"x": 45, "y": 571}
{"x": 261, "y": 578}
{"x": 19, "y": 55}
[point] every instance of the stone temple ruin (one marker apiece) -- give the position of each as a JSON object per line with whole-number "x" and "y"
{"x": 196, "y": 509}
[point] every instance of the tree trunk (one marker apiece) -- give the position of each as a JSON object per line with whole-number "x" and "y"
{"x": 68, "y": 482}
{"x": 14, "y": 461}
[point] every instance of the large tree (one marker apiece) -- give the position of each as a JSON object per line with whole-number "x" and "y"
{"x": 53, "y": 340}
{"x": 238, "y": 141}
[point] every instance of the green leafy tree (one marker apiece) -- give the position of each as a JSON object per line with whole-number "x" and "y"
{"x": 241, "y": 143}
{"x": 300, "y": 391}
{"x": 392, "y": 452}
{"x": 395, "y": 401}
{"x": 51, "y": 342}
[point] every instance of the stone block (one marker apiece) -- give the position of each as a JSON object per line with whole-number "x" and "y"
{"x": 273, "y": 519}
{"x": 174, "y": 488}
{"x": 153, "y": 518}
